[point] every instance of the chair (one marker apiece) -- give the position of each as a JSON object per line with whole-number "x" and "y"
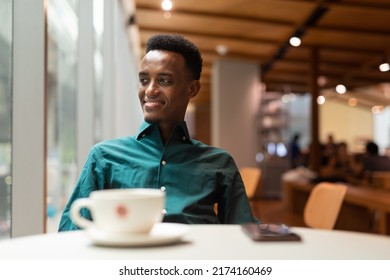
{"x": 323, "y": 206}
{"x": 251, "y": 177}
{"x": 381, "y": 180}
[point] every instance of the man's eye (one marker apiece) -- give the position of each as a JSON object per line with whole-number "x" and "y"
{"x": 143, "y": 81}
{"x": 165, "y": 81}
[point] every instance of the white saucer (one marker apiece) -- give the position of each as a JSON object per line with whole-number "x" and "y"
{"x": 161, "y": 234}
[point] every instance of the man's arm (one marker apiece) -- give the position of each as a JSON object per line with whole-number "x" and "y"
{"x": 233, "y": 207}
{"x": 91, "y": 178}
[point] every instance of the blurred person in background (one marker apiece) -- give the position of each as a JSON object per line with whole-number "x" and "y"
{"x": 373, "y": 161}
{"x": 340, "y": 166}
{"x": 295, "y": 151}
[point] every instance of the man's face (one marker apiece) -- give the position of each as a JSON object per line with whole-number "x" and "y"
{"x": 165, "y": 87}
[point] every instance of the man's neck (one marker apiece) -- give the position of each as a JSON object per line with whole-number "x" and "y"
{"x": 166, "y": 131}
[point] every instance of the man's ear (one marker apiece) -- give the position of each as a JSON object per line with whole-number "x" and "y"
{"x": 194, "y": 88}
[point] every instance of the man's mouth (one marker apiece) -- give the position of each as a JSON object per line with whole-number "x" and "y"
{"x": 152, "y": 104}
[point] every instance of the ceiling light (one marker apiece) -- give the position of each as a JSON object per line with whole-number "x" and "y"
{"x": 166, "y": 5}
{"x": 289, "y": 97}
{"x": 321, "y": 81}
{"x": 377, "y": 109}
{"x": 320, "y": 100}
{"x": 341, "y": 89}
{"x": 221, "y": 49}
{"x": 384, "y": 67}
{"x": 352, "y": 102}
{"x": 295, "y": 41}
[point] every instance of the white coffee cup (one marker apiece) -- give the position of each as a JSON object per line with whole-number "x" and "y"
{"x": 133, "y": 211}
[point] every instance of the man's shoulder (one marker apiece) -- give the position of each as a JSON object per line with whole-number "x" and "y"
{"x": 115, "y": 143}
{"x": 209, "y": 148}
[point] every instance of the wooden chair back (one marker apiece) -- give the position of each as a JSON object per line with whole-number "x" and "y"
{"x": 381, "y": 180}
{"x": 323, "y": 206}
{"x": 251, "y": 176}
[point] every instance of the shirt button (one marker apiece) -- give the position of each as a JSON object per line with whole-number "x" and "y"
{"x": 163, "y": 162}
{"x": 163, "y": 188}
{"x": 184, "y": 138}
{"x": 164, "y": 211}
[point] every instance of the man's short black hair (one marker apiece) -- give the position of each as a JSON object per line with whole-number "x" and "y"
{"x": 178, "y": 44}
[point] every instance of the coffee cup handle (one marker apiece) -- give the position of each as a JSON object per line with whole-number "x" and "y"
{"x": 75, "y": 212}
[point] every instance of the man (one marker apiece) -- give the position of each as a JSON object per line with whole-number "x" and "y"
{"x": 295, "y": 151}
{"x": 162, "y": 155}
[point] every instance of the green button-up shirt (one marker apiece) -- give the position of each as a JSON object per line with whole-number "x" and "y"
{"x": 193, "y": 175}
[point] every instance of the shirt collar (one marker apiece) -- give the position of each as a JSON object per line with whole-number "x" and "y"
{"x": 180, "y": 130}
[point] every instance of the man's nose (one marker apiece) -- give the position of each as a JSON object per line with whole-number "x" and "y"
{"x": 152, "y": 89}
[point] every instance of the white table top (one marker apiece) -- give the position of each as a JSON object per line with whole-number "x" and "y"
{"x": 205, "y": 242}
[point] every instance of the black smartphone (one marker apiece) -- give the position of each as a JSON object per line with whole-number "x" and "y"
{"x": 269, "y": 232}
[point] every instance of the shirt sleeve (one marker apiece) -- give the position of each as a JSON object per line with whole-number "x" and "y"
{"x": 233, "y": 206}
{"x": 91, "y": 178}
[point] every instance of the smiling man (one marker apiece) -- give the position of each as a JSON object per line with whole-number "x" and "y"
{"x": 162, "y": 155}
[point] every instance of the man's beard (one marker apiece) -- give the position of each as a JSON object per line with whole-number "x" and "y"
{"x": 153, "y": 120}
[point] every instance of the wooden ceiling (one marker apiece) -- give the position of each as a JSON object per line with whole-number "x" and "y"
{"x": 346, "y": 39}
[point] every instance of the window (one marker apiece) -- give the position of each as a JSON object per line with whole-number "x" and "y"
{"x": 61, "y": 105}
{"x": 5, "y": 116}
